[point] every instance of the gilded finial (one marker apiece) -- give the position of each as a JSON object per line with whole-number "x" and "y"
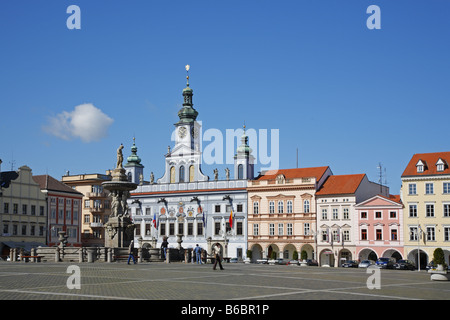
{"x": 187, "y": 71}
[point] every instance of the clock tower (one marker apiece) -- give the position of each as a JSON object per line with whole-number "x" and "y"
{"x": 183, "y": 162}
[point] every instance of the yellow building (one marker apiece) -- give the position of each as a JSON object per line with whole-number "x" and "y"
{"x": 425, "y": 193}
{"x": 95, "y": 206}
{"x": 23, "y": 212}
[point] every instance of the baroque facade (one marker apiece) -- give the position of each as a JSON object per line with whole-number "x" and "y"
{"x": 185, "y": 204}
{"x": 282, "y": 212}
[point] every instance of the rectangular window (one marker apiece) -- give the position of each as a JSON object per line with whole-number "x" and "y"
{"x": 379, "y": 234}
{"x": 162, "y": 229}
{"x": 190, "y": 229}
{"x": 412, "y": 233}
{"x": 431, "y": 235}
{"x": 364, "y": 215}
{"x": 446, "y": 233}
{"x": 324, "y": 235}
{"x": 430, "y": 210}
{"x": 446, "y": 210}
{"x": 378, "y": 215}
{"x": 180, "y": 228}
{"x": 255, "y": 229}
{"x": 216, "y": 228}
{"x": 271, "y": 229}
{"x": 335, "y": 214}
{"x": 217, "y": 208}
{"x": 324, "y": 214}
{"x": 33, "y": 210}
{"x": 429, "y": 188}
{"x": 239, "y": 229}
{"x": 289, "y": 229}
{"x": 255, "y": 207}
{"x": 412, "y": 189}
{"x": 15, "y": 208}
{"x": 171, "y": 229}
{"x": 306, "y": 229}
{"x": 413, "y": 211}
{"x": 240, "y": 208}
{"x": 280, "y": 229}
{"x": 393, "y": 214}
{"x": 6, "y": 207}
{"x": 346, "y": 235}
{"x": 446, "y": 187}
{"x": 345, "y": 214}
{"x": 363, "y": 234}
{"x": 199, "y": 228}
{"x": 394, "y": 235}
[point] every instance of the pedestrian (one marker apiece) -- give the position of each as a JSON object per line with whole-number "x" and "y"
{"x": 217, "y": 258}
{"x": 164, "y": 245}
{"x": 198, "y": 254}
{"x": 131, "y": 252}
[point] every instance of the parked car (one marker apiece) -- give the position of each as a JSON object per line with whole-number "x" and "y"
{"x": 404, "y": 265}
{"x": 366, "y": 263}
{"x": 233, "y": 260}
{"x": 430, "y": 265}
{"x": 350, "y": 264}
{"x": 385, "y": 263}
{"x": 281, "y": 261}
{"x": 294, "y": 262}
{"x": 262, "y": 261}
{"x": 311, "y": 262}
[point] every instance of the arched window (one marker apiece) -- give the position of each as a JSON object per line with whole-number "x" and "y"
{"x": 191, "y": 173}
{"x": 181, "y": 174}
{"x": 289, "y": 206}
{"x": 280, "y": 206}
{"x": 240, "y": 171}
{"x": 306, "y": 206}
{"x": 172, "y": 174}
{"x": 255, "y": 207}
{"x": 272, "y": 207}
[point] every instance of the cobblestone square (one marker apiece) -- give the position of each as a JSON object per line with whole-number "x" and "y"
{"x": 191, "y": 282}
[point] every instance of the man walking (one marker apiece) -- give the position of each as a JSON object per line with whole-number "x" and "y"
{"x": 130, "y": 252}
{"x": 217, "y": 258}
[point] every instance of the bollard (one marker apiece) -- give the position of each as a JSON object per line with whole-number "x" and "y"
{"x": 57, "y": 254}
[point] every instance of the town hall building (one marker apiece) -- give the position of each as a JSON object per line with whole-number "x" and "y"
{"x": 185, "y": 204}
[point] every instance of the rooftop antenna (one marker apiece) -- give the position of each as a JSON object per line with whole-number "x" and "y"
{"x": 380, "y": 179}
{"x": 12, "y": 162}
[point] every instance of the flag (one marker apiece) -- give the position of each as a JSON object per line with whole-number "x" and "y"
{"x": 230, "y": 220}
{"x": 203, "y": 215}
{"x": 154, "y": 221}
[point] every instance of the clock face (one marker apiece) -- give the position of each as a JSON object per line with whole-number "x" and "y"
{"x": 182, "y": 132}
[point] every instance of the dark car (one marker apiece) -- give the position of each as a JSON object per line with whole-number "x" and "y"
{"x": 311, "y": 262}
{"x": 385, "y": 263}
{"x": 404, "y": 265}
{"x": 350, "y": 264}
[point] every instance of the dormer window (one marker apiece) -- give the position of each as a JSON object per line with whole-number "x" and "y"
{"x": 420, "y": 166}
{"x": 440, "y": 165}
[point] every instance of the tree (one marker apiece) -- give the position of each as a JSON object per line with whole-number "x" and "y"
{"x": 439, "y": 258}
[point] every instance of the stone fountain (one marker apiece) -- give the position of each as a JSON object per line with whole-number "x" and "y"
{"x": 119, "y": 230}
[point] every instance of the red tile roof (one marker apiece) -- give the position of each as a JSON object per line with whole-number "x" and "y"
{"x": 429, "y": 160}
{"x": 47, "y": 182}
{"x": 341, "y": 184}
{"x": 316, "y": 172}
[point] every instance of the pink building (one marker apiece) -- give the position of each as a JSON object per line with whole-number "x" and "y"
{"x": 379, "y": 228}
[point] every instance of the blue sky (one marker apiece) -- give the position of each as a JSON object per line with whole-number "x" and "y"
{"x": 344, "y": 95}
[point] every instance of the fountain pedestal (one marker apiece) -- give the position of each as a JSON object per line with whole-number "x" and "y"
{"x": 119, "y": 230}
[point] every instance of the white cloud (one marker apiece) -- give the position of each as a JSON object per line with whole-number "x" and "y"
{"x": 85, "y": 122}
